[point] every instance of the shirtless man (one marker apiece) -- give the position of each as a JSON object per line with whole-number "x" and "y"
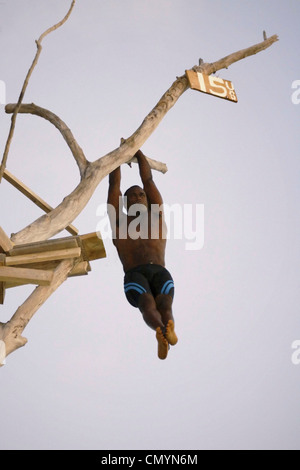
{"x": 140, "y": 239}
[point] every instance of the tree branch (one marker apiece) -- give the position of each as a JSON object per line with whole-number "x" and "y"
{"x": 154, "y": 165}
{"x": 50, "y": 224}
{"x": 35, "y": 61}
{"x": 76, "y": 150}
{"x": 235, "y": 57}
{"x": 10, "y": 332}
{"x": 56, "y": 221}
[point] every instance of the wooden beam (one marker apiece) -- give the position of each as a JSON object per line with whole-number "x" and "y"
{"x": 93, "y": 247}
{"x": 49, "y": 245}
{"x": 26, "y": 276}
{"x": 81, "y": 269}
{"x": 42, "y": 257}
{"x": 2, "y": 285}
{"x": 5, "y": 242}
{"x": 33, "y": 197}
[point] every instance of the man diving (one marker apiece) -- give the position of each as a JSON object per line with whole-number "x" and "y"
{"x": 141, "y": 243}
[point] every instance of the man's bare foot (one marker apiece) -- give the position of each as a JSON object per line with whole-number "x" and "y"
{"x": 163, "y": 345}
{"x": 170, "y": 333}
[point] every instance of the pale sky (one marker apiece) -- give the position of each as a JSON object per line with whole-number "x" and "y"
{"x": 89, "y": 377}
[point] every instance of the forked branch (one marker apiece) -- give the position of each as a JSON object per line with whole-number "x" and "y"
{"x": 56, "y": 221}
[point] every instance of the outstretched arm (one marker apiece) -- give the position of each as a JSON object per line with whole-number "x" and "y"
{"x": 153, "y": 195}
{"x": 114, "y": 196}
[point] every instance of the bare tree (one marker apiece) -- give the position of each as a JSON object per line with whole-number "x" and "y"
{"x": 91, "y": 175}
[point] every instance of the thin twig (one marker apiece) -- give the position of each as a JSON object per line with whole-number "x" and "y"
{"x": 35, "y": 61}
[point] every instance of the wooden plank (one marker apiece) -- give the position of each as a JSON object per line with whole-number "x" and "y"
{"x": 81, "y": 269}
{"x": 42, "y": 257}
{"x": 93, "y": 247}
{"x": 49, "y": 245}
{"x": 5, "y": 242}
{"x": 38, "y": 201}
{"x": 25, "y": 276}
{"x": 44, "y": 266}
{"x": 2, "y": 284}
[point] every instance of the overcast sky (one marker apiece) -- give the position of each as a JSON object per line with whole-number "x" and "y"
{"x": 89, "y": 377}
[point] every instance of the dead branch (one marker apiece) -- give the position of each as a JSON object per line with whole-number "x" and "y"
{"x": 154, "y": 164}
{"x": 76, "y": 150}
{"x": 10, "y": 332}
{"x": 56, "y": 221}
{"x": 35, "y": 61}
{"x": 235, "y": 57}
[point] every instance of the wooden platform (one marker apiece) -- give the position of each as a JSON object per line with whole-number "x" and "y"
{"x": 34, "y": 263}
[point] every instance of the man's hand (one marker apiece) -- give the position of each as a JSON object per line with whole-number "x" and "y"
{"x": 153, "y": 195}
{"x": 145, "y": 170}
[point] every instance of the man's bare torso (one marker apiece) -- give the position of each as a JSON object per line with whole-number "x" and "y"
{"x": 141, "y": 240}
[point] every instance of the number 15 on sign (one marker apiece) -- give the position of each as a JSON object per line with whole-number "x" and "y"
{"x": 212, "y": 85}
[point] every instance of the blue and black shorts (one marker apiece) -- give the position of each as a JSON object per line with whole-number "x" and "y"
{"x": 147, "y": 279}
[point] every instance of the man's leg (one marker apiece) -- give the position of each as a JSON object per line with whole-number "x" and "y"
{"x": 164, "y": 306}
{"x": 151, "y": 314}
{"x": 152, "y": 318}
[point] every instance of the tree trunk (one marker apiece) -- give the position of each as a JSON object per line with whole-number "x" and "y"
{"x": 10, "y": 332}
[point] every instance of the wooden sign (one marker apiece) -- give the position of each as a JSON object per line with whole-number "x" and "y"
{"x": 212, "y": 85}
